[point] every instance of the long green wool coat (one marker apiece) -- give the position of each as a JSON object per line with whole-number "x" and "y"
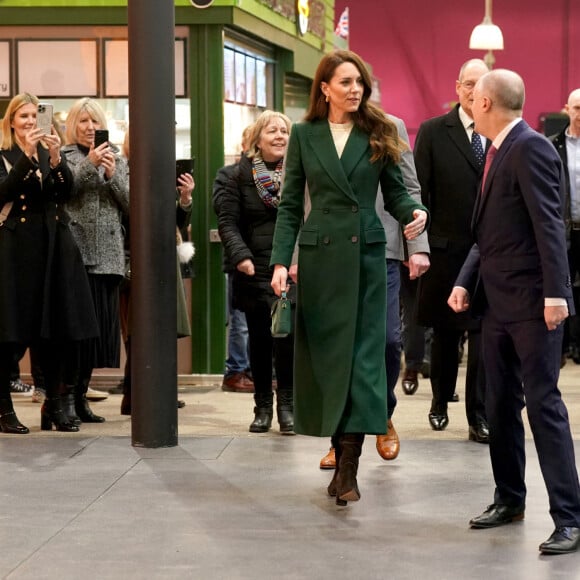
{"x": 339, "y": 364}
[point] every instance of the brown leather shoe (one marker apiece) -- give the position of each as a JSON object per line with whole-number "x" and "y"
{"x": 389, "y": 445}
{"x": 329, "y": 460}
{"x": 238, "y": 383}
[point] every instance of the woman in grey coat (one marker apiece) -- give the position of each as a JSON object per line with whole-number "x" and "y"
{"x": 100, "y": 201}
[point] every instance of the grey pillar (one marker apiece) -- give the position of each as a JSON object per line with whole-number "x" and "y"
{"x": 152, "y": 219}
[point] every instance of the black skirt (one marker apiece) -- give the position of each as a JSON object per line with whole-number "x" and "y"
{"x": 104, "y": 351}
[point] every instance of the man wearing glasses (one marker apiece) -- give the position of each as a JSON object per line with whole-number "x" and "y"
{"x": 449, "y": 156}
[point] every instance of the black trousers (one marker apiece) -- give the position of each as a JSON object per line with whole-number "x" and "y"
{"x": 49, "y": 356}
{"x": 267, "y": 352}
{"x": 572, "y": 324}
{"x": 444, "y": 369}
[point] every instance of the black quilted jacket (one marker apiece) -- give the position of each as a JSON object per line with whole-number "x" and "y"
{"x": 246, "y": 227}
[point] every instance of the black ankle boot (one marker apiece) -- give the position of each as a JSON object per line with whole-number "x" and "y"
{"x": 9, "y": 422}
{"x": 84, "y": 411}
{"x": 126, "y": 400}
{"x": 126, "y": 404}
{"x": 262, "y": 420}
{"x": 285, "y": 411}
{"x": 51, "y": 414}
{"x": 346, "y": 484}
{"x": 263, "y": 412}
{"x": 68, "y": 405}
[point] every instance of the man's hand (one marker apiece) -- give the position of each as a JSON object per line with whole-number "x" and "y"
{"x": 458, "y": 299}
{"x": 418, "y": 264}
{"x": 554, "y": 316}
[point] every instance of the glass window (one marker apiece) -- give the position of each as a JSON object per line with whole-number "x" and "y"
{"x": 248, "y": 89}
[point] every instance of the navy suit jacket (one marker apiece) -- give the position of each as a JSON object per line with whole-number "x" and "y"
{"x": 520, "y": 253}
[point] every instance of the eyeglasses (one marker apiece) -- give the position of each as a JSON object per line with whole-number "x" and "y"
{"x": 469, "y": 85}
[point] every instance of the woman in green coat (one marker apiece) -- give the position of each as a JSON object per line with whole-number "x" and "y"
{"x": 343, "y": 151}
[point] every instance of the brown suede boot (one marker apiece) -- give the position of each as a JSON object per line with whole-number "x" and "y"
{"x": 336, "y": 453}
{"x": 346, "y": 486}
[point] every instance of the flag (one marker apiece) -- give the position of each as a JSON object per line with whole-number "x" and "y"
{"x": 342, "y": 26}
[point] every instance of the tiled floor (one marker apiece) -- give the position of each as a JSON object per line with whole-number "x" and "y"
{"x": 227, "y": 504}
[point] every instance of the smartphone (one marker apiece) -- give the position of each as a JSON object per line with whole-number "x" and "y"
{"x": 44, "y": 117}
{"x": 184, "y": 166}
{"x": 101, "y": 136}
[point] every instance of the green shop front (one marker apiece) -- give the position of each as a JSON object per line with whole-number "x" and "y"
{"x": 233, "y": 59}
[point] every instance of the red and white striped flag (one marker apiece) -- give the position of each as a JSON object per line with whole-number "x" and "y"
{"x": 342, "y": 26}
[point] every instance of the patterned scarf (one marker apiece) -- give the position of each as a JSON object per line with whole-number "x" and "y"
{"x": 268, "y": 186}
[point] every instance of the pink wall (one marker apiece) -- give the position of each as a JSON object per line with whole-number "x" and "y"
{"x": 417, "y": 47}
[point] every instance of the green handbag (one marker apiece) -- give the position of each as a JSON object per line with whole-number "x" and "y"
{"x": 281, "y": 317}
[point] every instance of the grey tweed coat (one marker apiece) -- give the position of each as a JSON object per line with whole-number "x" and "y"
{"x": 96, "y": 210}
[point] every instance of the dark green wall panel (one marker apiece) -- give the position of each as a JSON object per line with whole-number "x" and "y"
{"x": 207, "y": 144}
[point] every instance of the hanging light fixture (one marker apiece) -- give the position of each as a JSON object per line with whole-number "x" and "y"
{"x": 487, "y": 36}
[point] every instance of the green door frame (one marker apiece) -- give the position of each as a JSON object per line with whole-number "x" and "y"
{"x": 206, "y": 72}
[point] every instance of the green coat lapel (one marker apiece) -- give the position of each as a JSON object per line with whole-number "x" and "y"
{"x": 355, "y": 148}
{"x": 325, "y": 149}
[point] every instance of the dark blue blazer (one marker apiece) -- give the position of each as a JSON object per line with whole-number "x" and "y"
{"x": 520, "y": 253}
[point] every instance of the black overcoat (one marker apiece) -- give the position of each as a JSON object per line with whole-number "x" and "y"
{"x": 449, "y": 176}
{"x": 44, "y": 291}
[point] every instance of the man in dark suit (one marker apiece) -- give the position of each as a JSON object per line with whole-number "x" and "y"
{"x": 449, "y": 171}
{"x": 567, "y": 143}
{"x": 517, "y": 273}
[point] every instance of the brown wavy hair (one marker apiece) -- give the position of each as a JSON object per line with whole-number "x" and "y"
{"x": 383, "y": 135}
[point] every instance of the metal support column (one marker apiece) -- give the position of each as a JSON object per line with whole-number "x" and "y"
{"x": 152, "y": 218}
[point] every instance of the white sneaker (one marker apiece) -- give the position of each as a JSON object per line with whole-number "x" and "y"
{"x": 94, "y": 395}
{"x": 17, "y": 387}
{"x": 38, "y": 395}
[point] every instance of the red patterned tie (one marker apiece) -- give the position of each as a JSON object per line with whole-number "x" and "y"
{"x": 488, "y": 160}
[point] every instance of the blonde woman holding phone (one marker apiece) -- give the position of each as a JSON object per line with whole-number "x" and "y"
{"x": 45, "y": 301}
{"x": 101, "y": 200}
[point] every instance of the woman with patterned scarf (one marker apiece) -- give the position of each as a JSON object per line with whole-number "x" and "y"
{"x": 246, "y": 226}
